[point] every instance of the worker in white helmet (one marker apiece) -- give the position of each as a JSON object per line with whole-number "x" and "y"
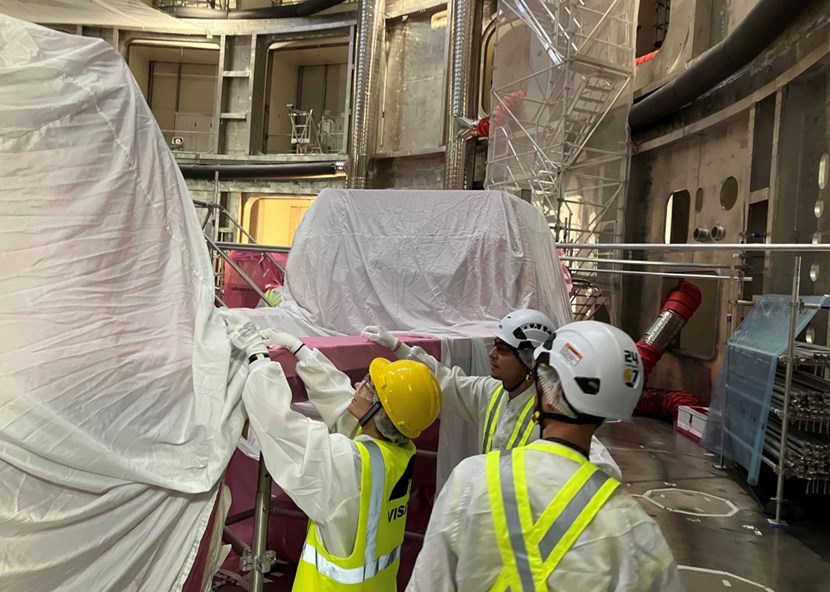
{"x": 500, "y": 406}
{"x": 542, "y": 517}
{"x": 354, "y": 491}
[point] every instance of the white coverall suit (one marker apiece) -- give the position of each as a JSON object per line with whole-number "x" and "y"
{"x": 320, "y": 469}
{"x": 621, "y": 549}
{"x": 469, "y": 396}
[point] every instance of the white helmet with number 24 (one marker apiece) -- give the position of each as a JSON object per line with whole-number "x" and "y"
{"x": 599, "y": 368}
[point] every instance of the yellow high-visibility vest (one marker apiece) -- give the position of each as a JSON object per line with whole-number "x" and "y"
{"x": 521, "y": 431}
{"x": 531, "y": 549}
{"x": 385, "y": 481}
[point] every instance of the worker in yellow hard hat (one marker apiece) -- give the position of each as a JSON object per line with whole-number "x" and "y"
{"x": 353, "y": 487}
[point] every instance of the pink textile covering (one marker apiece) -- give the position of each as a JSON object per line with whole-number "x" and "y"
{"x": 349, "y": 354}
{"x": 287, "y": 526}
{"x": 260, "y": 269}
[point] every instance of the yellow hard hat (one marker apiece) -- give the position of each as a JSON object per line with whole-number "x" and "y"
{"x": 409, "y": 393}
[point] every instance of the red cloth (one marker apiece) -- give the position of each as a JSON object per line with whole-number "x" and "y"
{"x": 261, "y": 269}
{"x": 483, "y": 127}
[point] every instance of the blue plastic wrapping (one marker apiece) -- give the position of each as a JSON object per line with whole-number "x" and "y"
{"x": 741, "y": 401}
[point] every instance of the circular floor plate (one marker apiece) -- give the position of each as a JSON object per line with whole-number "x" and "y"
{"x": 689, "y": 501}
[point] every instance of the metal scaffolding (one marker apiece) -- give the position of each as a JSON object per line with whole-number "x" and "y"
{"x": 562, "y": 80}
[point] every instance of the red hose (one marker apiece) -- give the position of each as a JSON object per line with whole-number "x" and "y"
{"x": 645, "y": 58}
{"x": 677, "y": 309}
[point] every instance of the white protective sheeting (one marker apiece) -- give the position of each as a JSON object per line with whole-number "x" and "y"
{"x": 117, "y": 418}
{"x": 411, "y": 260}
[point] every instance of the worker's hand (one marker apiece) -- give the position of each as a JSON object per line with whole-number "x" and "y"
{"x": 277, "y": 338}
{"x": 243, "y": 333}
{"x": 381, "y": 336}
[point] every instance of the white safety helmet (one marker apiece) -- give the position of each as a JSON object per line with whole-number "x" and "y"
{"x": 599, "y": 368}
{"x": 525, "y": 329}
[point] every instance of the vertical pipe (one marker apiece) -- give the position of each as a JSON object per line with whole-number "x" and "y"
{"x": 465, "y": 21}
{"x": 730, "y": 329}
{"x": 261, "y": 515}
{"x": 788, "y": 383}
{"x": 347, "y": 109}
{"x": 364, "y": 124}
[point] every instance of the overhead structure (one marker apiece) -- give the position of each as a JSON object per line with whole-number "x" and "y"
{"x": 125, "y": 14}
{"x": 562, "y": 84}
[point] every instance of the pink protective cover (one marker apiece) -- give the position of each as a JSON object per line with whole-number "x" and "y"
{"x": 349, "y": 354}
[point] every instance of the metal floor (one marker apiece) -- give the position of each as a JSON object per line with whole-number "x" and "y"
{"x": 712, "y": 521}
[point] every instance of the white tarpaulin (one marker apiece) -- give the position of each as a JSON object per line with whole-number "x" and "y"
{"x": 116, "y": 417}
{"x": 411, "y": 260}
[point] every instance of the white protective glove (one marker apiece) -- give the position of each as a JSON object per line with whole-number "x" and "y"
{"x": 281, "y": 339}
{"x": 243, "y": 334}
{"x": 381, "y": 336}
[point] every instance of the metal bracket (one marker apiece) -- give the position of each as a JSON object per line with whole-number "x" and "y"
{"x": 265, "y": 562}
{"x": 262, "y": 564}
{"x": 246, "y": 562}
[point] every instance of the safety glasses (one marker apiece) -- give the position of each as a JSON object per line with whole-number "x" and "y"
{"x": 501, "y": 347}
{"x": 366, "y": 388}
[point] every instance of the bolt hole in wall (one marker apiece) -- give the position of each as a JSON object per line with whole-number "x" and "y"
{"x": 699, "y": 200}
{"x": 729, "y": 193}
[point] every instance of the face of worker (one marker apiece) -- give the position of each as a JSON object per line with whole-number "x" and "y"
{"x": 362, "y": 400}
{"x": 504, "y": 365}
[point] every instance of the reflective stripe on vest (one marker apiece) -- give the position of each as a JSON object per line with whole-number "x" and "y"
{"x": 372, "y": 565}
{"x": 531, "y": 550}
{"x": 349, "y": 576}
{"x": 521, "y": 431}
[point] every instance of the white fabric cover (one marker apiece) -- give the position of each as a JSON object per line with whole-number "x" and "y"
{"x": 410, "y": 260}
{"x": 116, "y": 416}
